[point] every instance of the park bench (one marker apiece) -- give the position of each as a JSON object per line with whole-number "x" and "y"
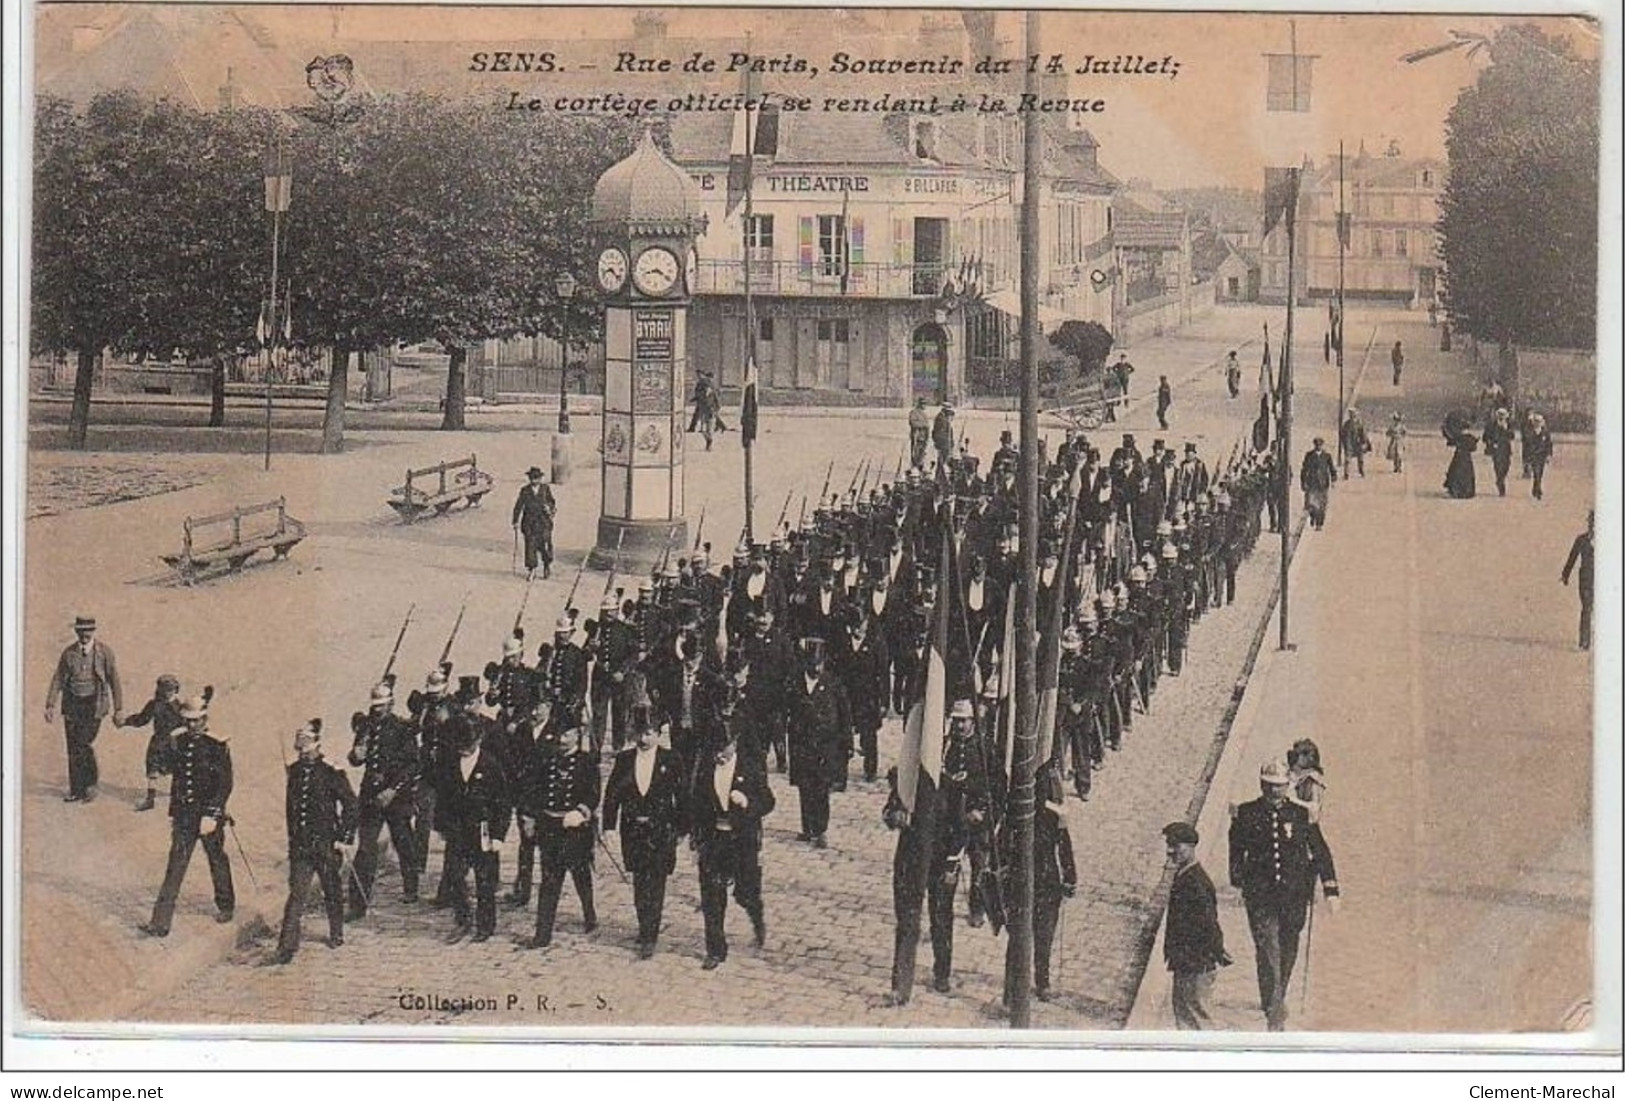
{"x": 204, "y": 551}
{"x": 436, "y": 488}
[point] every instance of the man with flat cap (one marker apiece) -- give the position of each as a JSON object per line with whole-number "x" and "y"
{"x": 86, "y": 680}
{"x": 533, "y": 518}
{"x": 1192, "y": 942}
{"x": 1276, "y": 854}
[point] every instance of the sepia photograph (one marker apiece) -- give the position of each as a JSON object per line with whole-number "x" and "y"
{"x": 770, "y": 523}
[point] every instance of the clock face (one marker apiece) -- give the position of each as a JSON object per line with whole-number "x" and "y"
{"x": 693, "y": 269}
{"x": 656, "y": 271}
{"x": 612, "y": 270}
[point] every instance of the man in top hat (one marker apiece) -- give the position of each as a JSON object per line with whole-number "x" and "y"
{"x": 86, "y": 680}
{"x": 647, "y": 801}
{"x": 862, "y": 664}
{"x": 1276, "y": 854}
{"x": 198, "y": 790}
{"x": 476, "y": 810}
{"x": 1192, "y": 479}
{"x": 386, "y": 747}
{"x": 562, "y": 792}
{"x": 320, "y": 809}
{"x": 728, "y": 800}
{"x": 820, "y": 735}
{"x": 163, "y": 711}
{"x": 1193, "y": 942}
{"x": 533, "y": 518}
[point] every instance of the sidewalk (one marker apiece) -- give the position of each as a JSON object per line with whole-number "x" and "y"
{"x": 1436, "y": 669}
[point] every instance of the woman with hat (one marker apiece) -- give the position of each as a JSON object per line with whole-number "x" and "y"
{"x": 199, "y": 786}
{"x": 533, "y": 517}
{"x": 163, "y": 711}
{"x": 1396, "y": 442}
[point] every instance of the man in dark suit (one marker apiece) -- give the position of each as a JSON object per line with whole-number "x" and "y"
{"x": 820, "y": 732}
{"x": 730, "y": 797}
{"x": 86, "y": 679}
{"x": 476, "y": 810}
{"x": 862, "y": 663}
{"x": 533, "y": 518}
{"x": 1316, "y": 477}
{"x": 321, "y": 814}
{"x": 1276, "y": 854}
{"x": 645, "y": 799}
{"x": 1192, "y": 942}
{"x": 1581, "y": 554}
{"x": 563, "y": 778}
{"x": 199, "y": 787}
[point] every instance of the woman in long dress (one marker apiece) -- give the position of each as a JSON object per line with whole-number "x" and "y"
{"x": 1396, "y": 443}
{"x": 1459, "y": 480}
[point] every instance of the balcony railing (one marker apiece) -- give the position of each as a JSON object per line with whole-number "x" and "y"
{"x": 822, "y": 279}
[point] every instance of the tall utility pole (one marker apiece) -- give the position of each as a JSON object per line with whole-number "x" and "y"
{"x": 1342, "y": 318}
{"x": 1286, "y": 393}
{"x": 278, "y": 194}
{"x": 750, "y": 301}
{"x": 1019, "y": 959}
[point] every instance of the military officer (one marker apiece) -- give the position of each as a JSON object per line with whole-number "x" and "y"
{"x": 320, "y": 809}
{"x": 387, "y": 749}
{"x": 564, "y": 791}
{"x": 646, "y": 801}
{"x": 198, "y": 790}
{"x": 1276, "y": 854}
{"x": 432, "y": 709}
{"x": 519, "y": 755}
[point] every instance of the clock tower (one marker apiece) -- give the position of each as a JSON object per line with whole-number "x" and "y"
{"x": 647, "y": 214}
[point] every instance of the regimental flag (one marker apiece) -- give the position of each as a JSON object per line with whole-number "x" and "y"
{"x": 846, "y": 238}
{"x": 1290, "y": 78}
{"x": 1261, "y": 426}
{"x": 744, "y": 144}
{"x": 747, "y": 402}
{"x": 1007, "y": 682}
{"x": 1280, "y": 196}
{"x": 1049, "y": 642}
{"x": 919, "y": 767}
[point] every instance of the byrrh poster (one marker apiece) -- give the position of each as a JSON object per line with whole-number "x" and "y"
{"x": 1125, "y": 579}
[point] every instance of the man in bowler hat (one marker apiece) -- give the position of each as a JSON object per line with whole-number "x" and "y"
{"x": 533, "y": 518}
{"x": 86, "y": 680}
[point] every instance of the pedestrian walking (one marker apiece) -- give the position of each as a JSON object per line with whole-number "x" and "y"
{"x": 386, "y": 748}
{"x": 1396, "y": 442}
{"x": 730, "y": 798}
{"x": 1356, "y": 441}
{"x": 86, "y": 680}
{"x": 1497, "y": 440}
{"x": 646, "y": 803}
{"x": 1232, "y": 375}
{"x": 533, "y": 512}
{"x": 1316, "y": 476}
{"x": 163, "y": 711}
{"x": 1165, "y": 398}
{"x": 1055, "y": 873}
{"x": 1276, "y": 855}
{"x": 919, "y": 433}
{"x": 1192, "y": 941}
{"x": 1124, "y": 370}
{"x": 820, "y": 733}
{"x": 564, "y": 791}
{"x": 1537, "y": 451}
{"x": 474, "y": 814}
{"x": 1580, "y": 554}
{"x": 1397, "y": 358}
{"x": 199, "y": 788}
{"x": 1460, "y": 481}
{"x": 320, "y": 809}
{"x": 942, "y": 435}
{"x": 1308, "y": 779}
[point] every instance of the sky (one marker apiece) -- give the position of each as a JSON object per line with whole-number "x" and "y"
{"x": 1206, "y": 126}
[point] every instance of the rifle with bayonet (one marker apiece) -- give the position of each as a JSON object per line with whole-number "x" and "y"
{"x": 389, "y": 666}
{"x": 699, "y": 528}
{"x": 784, "y": 513}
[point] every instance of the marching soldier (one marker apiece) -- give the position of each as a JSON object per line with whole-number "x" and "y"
{"x": 611, "y": 658}
{"x": 476, "y": 810}
{"x": 510, "y": 685}
{"x": 519, "y": 755}
{"x": 199, "y": 787}
{"x": 645, "y": 799}
{"x": 864, "y": 661}
{"x": 163, "y": 711}
{"x": 729, "y": 799}
{"x": 432, "y": 710}
{"x": 1055, "y": 875}
{"x": 820, "y": 734}
{"x": 386, "y": 747}
{"x": 563, "y": 791}
{"x": 563, "y": 673}
{"x": 320, "y": 809}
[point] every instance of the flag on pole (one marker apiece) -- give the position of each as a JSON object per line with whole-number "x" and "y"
{"x": 1290, "y": 79}
{"x": 846, "y": 237}
{"x": 1049, "y": 643}
{"x": 287, "y": 314}
{"x": 919, "y": 765}
{"x": 1007, "y": 682}
{"x": 747, "y": 402}
{"x": 742, "y": 149}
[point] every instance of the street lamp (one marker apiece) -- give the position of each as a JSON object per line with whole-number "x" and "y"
{"x": 564, "y": 286}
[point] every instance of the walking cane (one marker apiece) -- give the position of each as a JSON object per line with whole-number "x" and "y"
{"x": 513, "y": 565}
{"x": 230, "y": 823}
{"x": 1308, "y": 950}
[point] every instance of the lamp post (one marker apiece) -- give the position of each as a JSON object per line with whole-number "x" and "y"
{"x": 565, "y": 287}
{"x": 278, "y": 196}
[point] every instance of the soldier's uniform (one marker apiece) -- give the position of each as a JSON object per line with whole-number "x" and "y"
{"x": 613, "y": 653}
{"x": 387, "y": 748}
{"x": 563, "y": 676}
{"x": 562, "y": 792}
{"x": 432, "y": 711}
{"x": 320, "y": 811}
{"x": 198, "y": 789}
{"x": 1055, "y": 875}
{"x": 862, "y": 664}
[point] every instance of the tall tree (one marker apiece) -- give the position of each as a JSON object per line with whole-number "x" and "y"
{"x": 1519, "y": 212}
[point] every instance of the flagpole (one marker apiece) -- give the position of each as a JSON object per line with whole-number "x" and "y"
{"x": 750, "y": 309}
{"x": 1286, "y": 394}
{"x": 1342, "y": 321}
{"x": 1019, "y": 961}
{"x": 276, "y": 253}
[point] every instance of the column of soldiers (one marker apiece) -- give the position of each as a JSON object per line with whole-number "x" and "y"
{"x": 703, "y": 682}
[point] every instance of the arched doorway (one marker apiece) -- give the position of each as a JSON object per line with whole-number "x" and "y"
{"x": 929, "y": 362}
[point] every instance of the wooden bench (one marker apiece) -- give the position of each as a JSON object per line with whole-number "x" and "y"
{"x": 198, "y": 557}
{"x": 448, "y": 482}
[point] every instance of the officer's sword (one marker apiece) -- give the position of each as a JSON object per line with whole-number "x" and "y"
{"x": 355, "y": 878}
{"x": 231, "y": 824}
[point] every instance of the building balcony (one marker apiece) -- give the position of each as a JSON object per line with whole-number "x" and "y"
{"x": 821, "y": 279}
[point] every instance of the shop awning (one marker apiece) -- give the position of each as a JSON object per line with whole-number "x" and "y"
{"x": 1009, "y": 302}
